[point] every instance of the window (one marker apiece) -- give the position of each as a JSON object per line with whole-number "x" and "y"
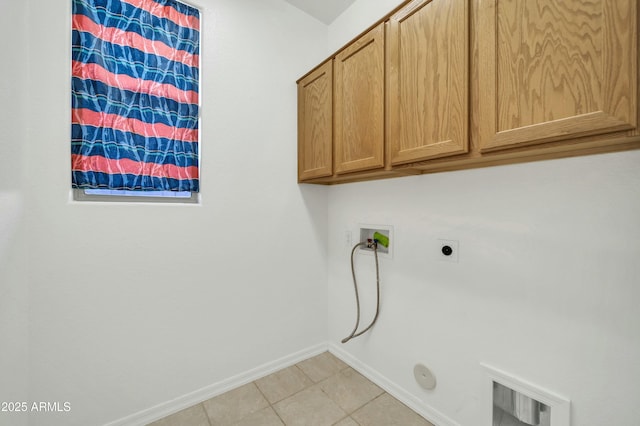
{"x": 135, "y": 97}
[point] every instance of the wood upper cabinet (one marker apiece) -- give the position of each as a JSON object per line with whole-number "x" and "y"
{"x": 551, "y": 70}
{"x": 442, "y": 85}
{"x": 359, "y": 104}
{"x": 428, "y": 87}
{"x": 315, "y": 123}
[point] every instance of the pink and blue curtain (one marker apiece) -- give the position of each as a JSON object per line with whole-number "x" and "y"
{"x": 135, "y": 95}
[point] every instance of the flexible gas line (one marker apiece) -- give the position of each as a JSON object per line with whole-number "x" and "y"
{"x": 355, "y": 286}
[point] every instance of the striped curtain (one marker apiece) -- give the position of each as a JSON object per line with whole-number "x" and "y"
{"x": 135, "y": 95}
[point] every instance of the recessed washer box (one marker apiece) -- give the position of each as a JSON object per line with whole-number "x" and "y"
{"x": 367, "y": 232}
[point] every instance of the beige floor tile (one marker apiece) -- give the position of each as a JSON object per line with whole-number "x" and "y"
{"x": 350, "y": 389}
{"x": 347, "y": 422}
{"x": 322, "y": 366}
{"x": 311, "y": 407}
{"x": 192, "y": 416}
{"x": 388, "y": 411}
{"x": 283, "y": 383}
{"x": 235, "y": 405}
{"x": 264, "y": 417}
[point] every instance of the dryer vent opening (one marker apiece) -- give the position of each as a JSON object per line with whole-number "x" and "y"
{"x": 513, "y": 408}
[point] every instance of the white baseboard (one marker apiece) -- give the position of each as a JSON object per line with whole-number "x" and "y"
{"x": 401, "y": 394}
{"x": 165, "y": 409}
{"x": 173, "y": 406}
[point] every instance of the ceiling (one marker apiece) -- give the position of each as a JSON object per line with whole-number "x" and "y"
{"x": 323, "y": 10}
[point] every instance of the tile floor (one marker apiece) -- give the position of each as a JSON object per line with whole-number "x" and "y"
{"x": 320, "y": 391}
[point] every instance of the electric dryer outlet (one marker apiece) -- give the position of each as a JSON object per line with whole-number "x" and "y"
{"x": 448, "y": 250}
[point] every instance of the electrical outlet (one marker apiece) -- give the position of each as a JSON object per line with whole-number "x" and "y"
{"x": 348, "y": 240}
{"x": 448, "y": 250}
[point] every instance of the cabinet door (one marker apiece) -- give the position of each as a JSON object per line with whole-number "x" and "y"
{"x": 315, "y": 124}
{"x": 552, "y": 70}
{"x": 359, "y": 104}
{"x": 428, "y": 80}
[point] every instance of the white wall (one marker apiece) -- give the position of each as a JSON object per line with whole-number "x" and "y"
{"x": 13, "y": 255}
{"x": 134, "y": 305}
{"x": 546, "y": 287}
{"x": 357, "y": 18}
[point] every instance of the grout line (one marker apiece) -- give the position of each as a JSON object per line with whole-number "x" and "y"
{"x": 304, "y": 374}
{"x": 268, "y": 402}
{"x": 274, "y": 409}
{"x": 312, "y": 383}
{"x": 261, "y": 393}
{"x": 206, "y": 414}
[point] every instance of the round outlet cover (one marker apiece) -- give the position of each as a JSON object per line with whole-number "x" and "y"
{"x": 424, "y": 377}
